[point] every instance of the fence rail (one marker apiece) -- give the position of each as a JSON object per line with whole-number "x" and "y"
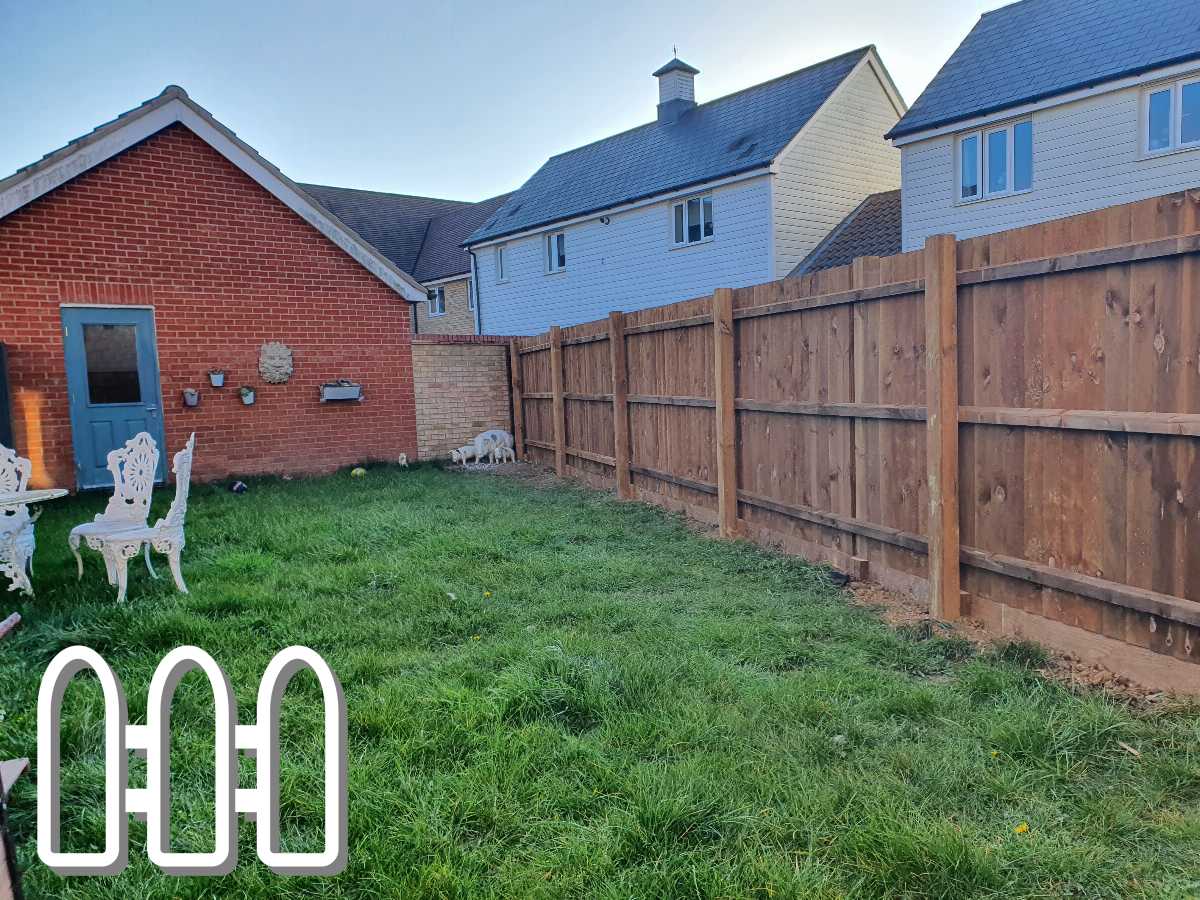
{"x": 1004, "y": 424}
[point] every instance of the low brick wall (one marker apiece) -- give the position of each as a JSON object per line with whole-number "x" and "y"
{"x": 462, "y": 388}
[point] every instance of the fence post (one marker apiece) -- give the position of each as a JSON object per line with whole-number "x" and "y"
{"x": 941, "y": 439}
{"x": 864, "y": 273}
{"x": 726, "y": 422}
{"x": 620, "y": 403}
{"x": 518, "y": 398}
{"x": 560, "y": 417}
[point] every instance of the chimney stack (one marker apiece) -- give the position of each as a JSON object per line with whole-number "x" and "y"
{"x": 676, "y": 93}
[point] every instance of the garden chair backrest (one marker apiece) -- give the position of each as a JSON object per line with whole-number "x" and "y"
{"x": 183, "y": 477}
{"x": 132, "y": 467}
{"x": 14, "y": 476}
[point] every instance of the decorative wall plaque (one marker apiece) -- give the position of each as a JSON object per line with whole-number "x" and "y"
{"x": 275, "y": 362}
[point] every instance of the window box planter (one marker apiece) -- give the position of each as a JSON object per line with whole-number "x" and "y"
{"x": 191, "y": 397}
{"x": 247, "y": 394}
{"x": 341, "y": 392}
{"x": 216, "y": 378}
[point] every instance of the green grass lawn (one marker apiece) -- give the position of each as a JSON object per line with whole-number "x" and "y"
{"x": 551, "y": 694}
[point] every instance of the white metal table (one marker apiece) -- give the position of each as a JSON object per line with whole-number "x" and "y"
{"x": 16, "y": 546}
{"x": 20, "y": 498}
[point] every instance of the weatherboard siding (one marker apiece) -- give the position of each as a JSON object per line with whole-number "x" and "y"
{"x": 628, "y": 264}
{"x": 839, "y": 159}
{"x": 1086, "y": 155}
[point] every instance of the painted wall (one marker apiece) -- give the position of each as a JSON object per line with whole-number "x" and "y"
{"x": 628, "y": 264}
{"x": 1086, "y": 155}
{"x": 838, "y": 160}
{"x": 459, "y": 317}
{"x": 172, "y": 224}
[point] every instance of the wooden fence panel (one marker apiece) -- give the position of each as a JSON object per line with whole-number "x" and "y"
{"x": 1077, "y": 376}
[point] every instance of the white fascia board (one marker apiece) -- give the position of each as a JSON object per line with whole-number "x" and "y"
{"x": 1025, "y": 109}
{"x": 666, "y": 196}
{"x": 447, "y": 279}
{"x": 174, "y": 106}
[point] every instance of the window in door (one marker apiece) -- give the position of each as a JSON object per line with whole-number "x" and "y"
{"x": 111, "y": 357}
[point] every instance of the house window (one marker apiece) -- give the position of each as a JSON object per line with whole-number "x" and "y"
{"x": 1171, "y": 117}
{"x": 556, "y": 252}
{"x": 501, "y": 263}
{"x": 471, "y": 294}
{"x": 693, "y": 220}
{"x": 996, "y": 161}
{"x": 437, "y": 301}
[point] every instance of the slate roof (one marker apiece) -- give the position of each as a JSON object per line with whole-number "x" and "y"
{"x": 443, "y": 253}
{"x": 423, "y": 236}
{"x": 872, "y": 229}
{"x": 727, "y": 136}
{"x": 1037, "y": 49}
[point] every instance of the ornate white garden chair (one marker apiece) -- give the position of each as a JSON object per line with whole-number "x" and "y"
{"x": 132, "y": 467}
{"x": 16, "y": 524}
{"x": 166, "y": 535}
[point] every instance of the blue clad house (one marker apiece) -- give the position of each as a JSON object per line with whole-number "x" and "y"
{"x": 727, "y": 193}
{"x": 1050, "y": 108}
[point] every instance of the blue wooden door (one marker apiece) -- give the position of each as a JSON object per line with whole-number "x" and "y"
{"x": 112, "y": 379}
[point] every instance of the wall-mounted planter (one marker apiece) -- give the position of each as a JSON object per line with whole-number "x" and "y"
{"x": 247, "y": 394}
{"x": 191, "y": 397}
{"x": 341, "y": 392}
{"x": 216, "y": 378}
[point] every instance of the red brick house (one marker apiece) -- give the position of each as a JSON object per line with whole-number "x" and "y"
{"x": 159, "y": 247}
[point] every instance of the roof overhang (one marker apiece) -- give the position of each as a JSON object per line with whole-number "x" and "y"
{"x": 756, "y": 171}
{"x": 901, "y": 135}
{"x": 171, "y": 106}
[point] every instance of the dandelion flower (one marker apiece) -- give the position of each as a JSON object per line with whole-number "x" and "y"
{"x": 1023, "y": 828}
{"x": 995, "y": 753}
{"x": 487, "y": 594}
{"x": 474, "y": 637}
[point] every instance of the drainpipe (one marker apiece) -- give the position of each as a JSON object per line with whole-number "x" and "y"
{"x": 475, "y": 287}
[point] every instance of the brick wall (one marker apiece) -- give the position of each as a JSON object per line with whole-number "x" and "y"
{"x": 172, "y": 224}
{"x": 459, "y": 317}
{"x": 461, "y": 389}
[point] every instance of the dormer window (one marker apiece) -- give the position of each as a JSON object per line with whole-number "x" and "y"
{"x": 995, "y": 162}
{"x": 1171, "y": 116}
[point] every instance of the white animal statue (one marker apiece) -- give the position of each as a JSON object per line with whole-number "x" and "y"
{"x": 404, "y": 460}
{"x": 462, "y": 454}
{"x": 505, "y": 454}
{"x": 488, "y": 442}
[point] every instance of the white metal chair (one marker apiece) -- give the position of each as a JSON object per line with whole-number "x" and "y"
{"x": 132, "y": 467}
{"x": 166, "y": 535}
{"x": 16, "y": 524}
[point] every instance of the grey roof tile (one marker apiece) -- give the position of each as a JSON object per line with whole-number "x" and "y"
{"x": 421, "y": 235}
{"x": 872, "y": 229}
{"x": 733, "y": 134}
{"x": 394, "y": 224}
{"x": 443, "y": 253}
{"x": 1037, "y": 49}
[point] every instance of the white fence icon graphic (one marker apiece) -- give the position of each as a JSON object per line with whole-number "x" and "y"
{"x": 260, "y": 740}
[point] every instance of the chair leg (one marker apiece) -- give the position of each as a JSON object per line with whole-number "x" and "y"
{"x": 122, "y": 566}
{"x": 149, "y": 567}
{"x": 173, "y": 556}
{"x": 73, "y": 540}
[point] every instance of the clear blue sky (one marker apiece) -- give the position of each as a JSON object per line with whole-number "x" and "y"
{"x": 447, "y": 99}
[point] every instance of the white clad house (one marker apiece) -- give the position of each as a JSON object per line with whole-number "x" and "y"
{"x": 727, "y": 193}
{"x": 1050, "y": 108}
